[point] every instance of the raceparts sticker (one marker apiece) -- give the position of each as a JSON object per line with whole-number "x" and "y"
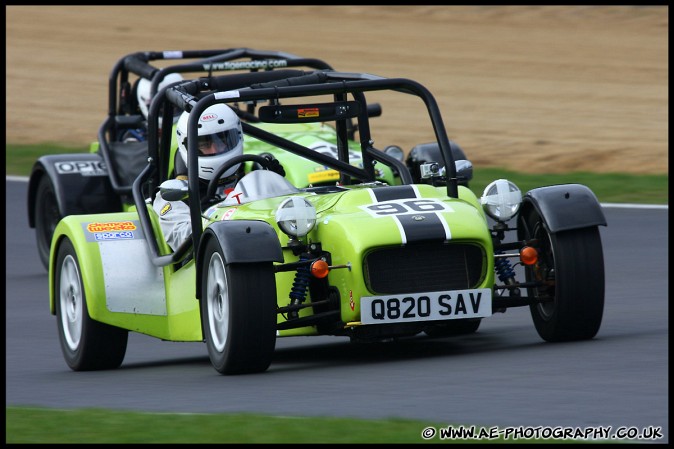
{"x": 429, "y": 306}
{"x": 83, "y": 168}
{"x": 112, "y": 231}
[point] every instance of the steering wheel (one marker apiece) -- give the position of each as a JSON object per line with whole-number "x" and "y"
{"x": 266, "y": 163}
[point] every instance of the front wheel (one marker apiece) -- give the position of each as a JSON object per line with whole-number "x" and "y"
{"x": 238, "y": 312}
{"x": 571, "y": 272}
{"x": 87, "y": 345}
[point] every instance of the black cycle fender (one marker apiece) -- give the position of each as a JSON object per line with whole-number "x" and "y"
{"x": 80, "y": 182}
{"x": 563, "y": 207}
{"x": 242, "y": 241}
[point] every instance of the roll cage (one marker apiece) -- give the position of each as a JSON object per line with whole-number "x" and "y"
{"x": 122, "y": 103}
{"x": 197, "y": 95}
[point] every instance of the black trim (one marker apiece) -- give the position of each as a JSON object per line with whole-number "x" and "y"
{"x": 563, "y": 207}
{"x": 394, "y": 193}
{"x": 422, "y": 227}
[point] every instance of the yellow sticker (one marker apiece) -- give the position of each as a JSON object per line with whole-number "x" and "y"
{"x": 323, "y": 176}
{"x": 165, "y": 209}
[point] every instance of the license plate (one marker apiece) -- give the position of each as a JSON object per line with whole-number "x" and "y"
{"x": 430, "y": 306}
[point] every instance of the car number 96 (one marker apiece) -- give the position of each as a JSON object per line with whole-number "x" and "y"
{"x": 430, "y": 306}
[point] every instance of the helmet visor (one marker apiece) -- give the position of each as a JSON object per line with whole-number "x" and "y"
{"x": 218, "y": 143}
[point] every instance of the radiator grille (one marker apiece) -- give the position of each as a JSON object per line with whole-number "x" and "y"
{"x": 424, "y": 267}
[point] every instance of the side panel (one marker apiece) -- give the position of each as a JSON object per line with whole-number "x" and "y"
{"x": 122, "y": 286}
{"x": 124, "y": 282}
{"x": 564, "y": 207}
{"x": 80, "y": 181}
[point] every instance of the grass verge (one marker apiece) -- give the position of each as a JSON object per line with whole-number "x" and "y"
{"x": 45, "y": 426}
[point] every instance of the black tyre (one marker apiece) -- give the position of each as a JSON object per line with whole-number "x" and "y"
{"x": 87, "y": 345}
{"x": 238, "y": 312}
{"x": 571, "y": 264}
{"x": 453, "y": 328}
{"x": 47, "y": 216}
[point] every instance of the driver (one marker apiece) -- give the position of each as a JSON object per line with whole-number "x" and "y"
{"x": 220, "y": 139}
{"x": 144, "y": 99}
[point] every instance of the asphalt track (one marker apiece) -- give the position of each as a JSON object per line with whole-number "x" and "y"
{"x": 503, "y": 375}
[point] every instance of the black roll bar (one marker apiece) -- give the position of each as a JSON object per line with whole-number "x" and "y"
{"x": 290, "y": 89}
{"x": 355, "y": 84}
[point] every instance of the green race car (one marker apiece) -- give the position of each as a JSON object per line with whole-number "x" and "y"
{"x": 354, "y": 253}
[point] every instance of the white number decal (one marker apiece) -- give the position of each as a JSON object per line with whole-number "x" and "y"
{"x": 398, "y": 207}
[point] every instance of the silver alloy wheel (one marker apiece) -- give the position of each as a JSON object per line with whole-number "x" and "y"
{"x": 71, "y": 302}
{"x": 217, "y": 297}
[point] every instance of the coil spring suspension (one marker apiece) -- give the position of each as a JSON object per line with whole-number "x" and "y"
{"x": 298, "y": 292}
{"x": 506, "y": 273}
{"x": 504, "y": 269}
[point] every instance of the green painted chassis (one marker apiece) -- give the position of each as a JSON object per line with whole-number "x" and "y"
{"x": 344, "y": 230}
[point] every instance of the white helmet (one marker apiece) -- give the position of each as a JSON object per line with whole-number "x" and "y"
{"x": 144, "y": 96}
{"x": 220, "y": 139}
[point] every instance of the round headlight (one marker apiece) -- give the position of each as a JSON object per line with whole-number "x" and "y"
{"x": 296, "y": 216}
{"x": 501, "y": 200}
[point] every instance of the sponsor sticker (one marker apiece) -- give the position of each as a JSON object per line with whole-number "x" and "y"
{"x": 323, "y": 176}
{"x": 113, "y": 235}
{"x": 111, "y": 231}
{"x": 83, "y": 168}
{"x": 111, "y": 226}
{"x": 209, "y": 117}
{"x": 164, "y": 210}
{"x": 307, "y": 112}
{"x": 258, "y": 64}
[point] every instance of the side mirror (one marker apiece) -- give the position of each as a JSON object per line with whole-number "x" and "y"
{"x": 174, "y": 189}
{"x": 464, "y": 170}
{"x": 395, "y": 151}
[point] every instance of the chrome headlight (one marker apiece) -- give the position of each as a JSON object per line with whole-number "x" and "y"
{"x": 296, "y": 216}
{"x": 501, "y": 200}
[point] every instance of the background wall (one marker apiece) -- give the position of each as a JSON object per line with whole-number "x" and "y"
{"x": 530, "y": 88}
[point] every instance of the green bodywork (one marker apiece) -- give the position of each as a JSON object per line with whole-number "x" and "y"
{"x": 163, "y": 303}
{"x": 302, "y": 172}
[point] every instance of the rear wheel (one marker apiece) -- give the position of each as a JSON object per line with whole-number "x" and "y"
{"x": 47, "y": 216}
{"x": 238, "y": 312}
{"x": 87, "y": 345}
{"x": 571, "y": 266}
